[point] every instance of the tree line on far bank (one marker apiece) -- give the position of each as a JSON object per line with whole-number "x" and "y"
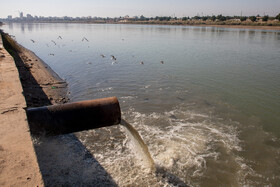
{"x": 219, "y": 17}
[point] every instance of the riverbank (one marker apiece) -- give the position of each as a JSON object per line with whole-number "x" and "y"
{"x": 25, "y": 81}
{"x": 41, "y": 85}
{"x": 249, "y": 25}
{"x": 273, "y": 28}
{"x": 18, "y": 162}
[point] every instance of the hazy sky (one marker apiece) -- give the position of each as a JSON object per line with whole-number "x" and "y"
{"x": 148, "y": 8}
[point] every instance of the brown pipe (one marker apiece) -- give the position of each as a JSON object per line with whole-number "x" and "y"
{"x": 73, "y": 117}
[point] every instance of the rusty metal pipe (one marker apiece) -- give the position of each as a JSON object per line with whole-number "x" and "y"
{"x": 73, "y": 117}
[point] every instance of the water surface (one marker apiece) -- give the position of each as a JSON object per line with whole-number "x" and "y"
{"x": 209, "y": 112}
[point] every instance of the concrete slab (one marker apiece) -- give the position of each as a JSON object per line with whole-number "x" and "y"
{"x": 18, "y": 162}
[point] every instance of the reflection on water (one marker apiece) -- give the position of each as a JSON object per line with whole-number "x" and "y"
{"x": 209, "y": 114}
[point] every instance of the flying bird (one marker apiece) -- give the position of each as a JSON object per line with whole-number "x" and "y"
{"x": 84, "y": 38}
{"x": 113, "y": 57}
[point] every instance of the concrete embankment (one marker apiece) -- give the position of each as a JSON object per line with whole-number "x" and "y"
{"x": 18, "y": 162}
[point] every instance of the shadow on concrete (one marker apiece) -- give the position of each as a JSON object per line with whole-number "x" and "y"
{"x": 63, "y": 160}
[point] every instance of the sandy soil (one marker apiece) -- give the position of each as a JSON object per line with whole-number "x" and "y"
{"x": 40, "y": 86}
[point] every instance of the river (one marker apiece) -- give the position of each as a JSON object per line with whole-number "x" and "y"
{"x": 205, "y": 100}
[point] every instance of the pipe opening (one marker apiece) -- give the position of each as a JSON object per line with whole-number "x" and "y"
{"x": 74, "y": 117}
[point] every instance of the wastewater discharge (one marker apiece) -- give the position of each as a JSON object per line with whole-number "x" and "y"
{"x": 185, "y": 149}
{"x": 140, "y": 146}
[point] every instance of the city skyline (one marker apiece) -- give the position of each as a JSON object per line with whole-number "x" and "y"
{"x": 152, "y": 8}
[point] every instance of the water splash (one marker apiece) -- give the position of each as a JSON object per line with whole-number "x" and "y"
{"x": 140, "y": 146}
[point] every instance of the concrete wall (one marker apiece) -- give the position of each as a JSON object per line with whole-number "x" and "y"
{"x": 18, "y": 162}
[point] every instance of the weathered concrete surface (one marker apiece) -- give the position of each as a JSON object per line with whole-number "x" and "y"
{"x": 18, "y": 162}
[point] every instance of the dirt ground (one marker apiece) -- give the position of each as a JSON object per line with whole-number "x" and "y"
{"x": 25, "y": 81}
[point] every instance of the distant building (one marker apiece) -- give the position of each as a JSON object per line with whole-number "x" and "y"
{"x": 21, "y": 15}
{"x": 28, "y": 16}
{"x": 10, "y": 17}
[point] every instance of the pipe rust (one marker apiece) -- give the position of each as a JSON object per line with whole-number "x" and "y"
{"x": 73, "y": 117}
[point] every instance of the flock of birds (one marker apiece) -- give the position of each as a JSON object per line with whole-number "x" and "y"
{"x": 85, "y": 39}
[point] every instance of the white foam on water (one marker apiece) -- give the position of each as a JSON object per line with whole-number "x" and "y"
{"x": 187, "y": 148}
{"x": 183, "y": 141}
{"x": 128, "y": 97}
{"x": 105, "y": 89}
{"x": 182, "y": 144}
{"x": 145, "y": 87}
